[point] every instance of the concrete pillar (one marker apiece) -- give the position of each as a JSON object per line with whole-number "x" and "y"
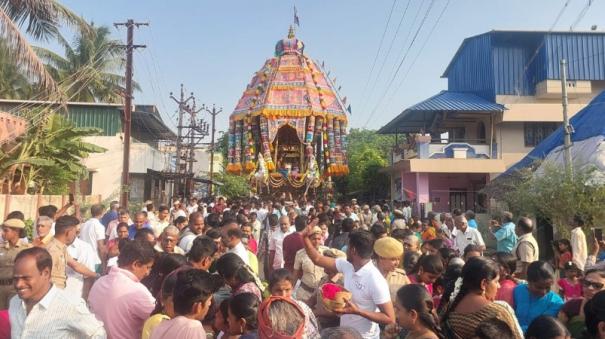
{"x": 422, "y": 188}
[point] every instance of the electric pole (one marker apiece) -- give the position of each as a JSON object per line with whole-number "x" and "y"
{"x": 567, "y": 128}
{"x": 125, "y": 189}
{"x": 213, "y": 113}
{"x": 182, "y": 102}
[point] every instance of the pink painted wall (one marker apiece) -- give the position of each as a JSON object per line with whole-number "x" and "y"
{"x": 441, "y": 183}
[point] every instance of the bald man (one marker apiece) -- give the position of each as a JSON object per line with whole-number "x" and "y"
{"x": 168, "y": 241}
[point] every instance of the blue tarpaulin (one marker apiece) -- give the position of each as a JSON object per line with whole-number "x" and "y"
{"x": 587, "y": 123}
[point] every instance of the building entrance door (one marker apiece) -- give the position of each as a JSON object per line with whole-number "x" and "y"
{"x": 457, "y": 199}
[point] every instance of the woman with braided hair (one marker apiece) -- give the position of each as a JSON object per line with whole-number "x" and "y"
{"x": 473, "y": 301}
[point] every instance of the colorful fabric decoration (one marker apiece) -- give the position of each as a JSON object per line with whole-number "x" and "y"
{"x": 264, "y": 135}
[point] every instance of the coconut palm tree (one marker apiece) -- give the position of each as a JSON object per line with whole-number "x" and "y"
{"x": 89, "y": 66}
{"x": 40, "y": 19}
{"x": 13, "y": 83}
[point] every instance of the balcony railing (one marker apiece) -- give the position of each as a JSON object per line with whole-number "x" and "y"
{"x": 436, "y": 149}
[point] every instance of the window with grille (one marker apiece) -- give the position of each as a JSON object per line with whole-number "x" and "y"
{"x": 535, "y": 132}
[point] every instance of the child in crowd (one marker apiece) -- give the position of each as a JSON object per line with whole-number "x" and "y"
{"x": 428, "y": 270}
{"x": 438, "y": 289}
{"x": 564, "y": 255}
{"x": 507, "y": 263}
{"x": 281, "y": 284}
{"x": 570, "y": 287}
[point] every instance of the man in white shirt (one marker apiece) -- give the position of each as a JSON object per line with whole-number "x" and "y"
{"x": 163, "y": 220}
{"x": 276, "y": 250}
{"x": 465, "y": 235}
{"x": 579, "y": 248}
{"x": 192, "y": 206}
{"x": 93, "y": 232}
{"x": 76, "y": 284}
{"x": 41, "y": 310}
{"x": 371, "y": 303}
{"x": 176, "y": 210}
{"x": 349, "y": 213}
{"x": 232, "y": 239}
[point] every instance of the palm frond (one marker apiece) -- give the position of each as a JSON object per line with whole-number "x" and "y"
{"x": 23, "y": 52}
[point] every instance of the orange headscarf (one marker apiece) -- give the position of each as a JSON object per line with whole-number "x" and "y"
{"x": 265, "y": 328}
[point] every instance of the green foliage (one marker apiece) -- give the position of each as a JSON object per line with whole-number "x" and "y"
{"x": 368, "y": 154}
{"x": 29, "y": 229}
{"x": 553, "y": 195}
{"x": 358, "y": 139}
{"x": 222, "y": 146}
{"x": 13, "y": 82}
{"x": 234, "y": 186}
{"x": 48, "y": 158}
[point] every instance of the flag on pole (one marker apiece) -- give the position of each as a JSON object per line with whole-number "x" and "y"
{"x": 349, "y": 109}
{"x": 344, "y": 100}
{"x": 296, "y": 21}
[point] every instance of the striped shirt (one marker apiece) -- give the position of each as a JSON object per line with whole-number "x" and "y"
{"x": 56, "y": 316}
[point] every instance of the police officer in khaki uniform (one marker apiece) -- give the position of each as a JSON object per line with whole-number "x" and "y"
{"x": 12, "y": 232}
{"x": 389, "y": 252}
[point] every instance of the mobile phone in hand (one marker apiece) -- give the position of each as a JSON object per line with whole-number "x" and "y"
{"x": 598, "y": 233}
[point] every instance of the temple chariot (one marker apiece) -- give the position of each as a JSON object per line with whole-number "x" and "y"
{"x": 288, "y": 131}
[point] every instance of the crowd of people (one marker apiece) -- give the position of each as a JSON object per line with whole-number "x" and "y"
{"x": 255, "y": 269}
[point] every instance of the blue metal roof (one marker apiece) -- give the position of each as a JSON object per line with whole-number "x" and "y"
{"x": 420, "y": 115}
{"x": 513, "y": 62}
{"x": 457, "y": 101}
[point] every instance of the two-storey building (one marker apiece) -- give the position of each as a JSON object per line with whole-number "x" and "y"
{"x": 503, "y": 98}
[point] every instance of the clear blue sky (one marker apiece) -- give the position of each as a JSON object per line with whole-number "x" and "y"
{"x": 214, "y": 47}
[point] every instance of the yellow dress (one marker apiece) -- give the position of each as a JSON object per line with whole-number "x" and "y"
{"x": 152, "y": 323}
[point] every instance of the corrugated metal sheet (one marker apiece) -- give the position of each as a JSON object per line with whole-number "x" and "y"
{"x": 471, "y": 69}
{"x": 584, "y": 52}
{"x": 510, "y": 74}
{"x": 457, "y": 101}
{"x": 514, "y": 62}
{"x": 106, "y": 118}
{"x": 420, "y": 115}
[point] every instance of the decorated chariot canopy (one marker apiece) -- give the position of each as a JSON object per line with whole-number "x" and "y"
{"x": 290, "y": 124}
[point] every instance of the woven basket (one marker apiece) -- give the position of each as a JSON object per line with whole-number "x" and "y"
{"x": 339, "y": 299}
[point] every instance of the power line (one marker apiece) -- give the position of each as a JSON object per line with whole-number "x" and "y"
{"x": 386, "y": 55}
{"x": 581, "y": 14}
{"x": 400, "y": 63}
{"x": 419, "y": 53}
{"x": 365, "y": 87}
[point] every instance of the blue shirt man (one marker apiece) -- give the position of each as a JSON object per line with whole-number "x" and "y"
{"x": 506, "y": 239}
{"x": 140, "y": 221}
